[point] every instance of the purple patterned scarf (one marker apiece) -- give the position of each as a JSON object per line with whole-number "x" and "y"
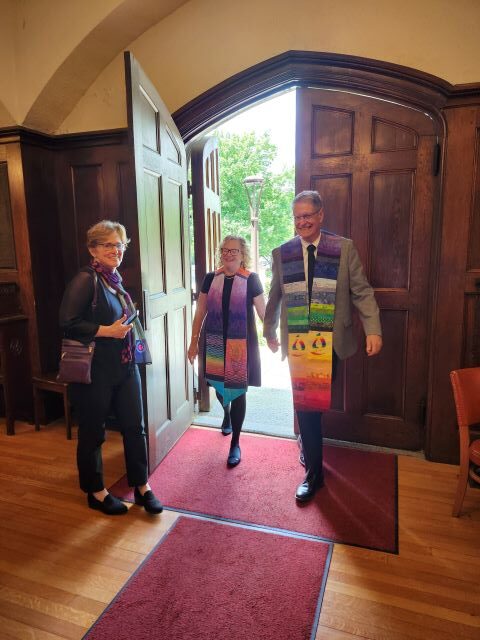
{"x": 114, "y": 280}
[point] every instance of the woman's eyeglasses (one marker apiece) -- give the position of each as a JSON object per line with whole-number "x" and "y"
{"x": 113, "y": 245}
{"x": 231, "y": 252}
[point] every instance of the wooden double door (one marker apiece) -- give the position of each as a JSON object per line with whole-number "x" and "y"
{"x": 374, "y": 163}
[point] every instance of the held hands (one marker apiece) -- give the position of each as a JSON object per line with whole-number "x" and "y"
{"x": 373, "y": 344}
{"x": 273, "y": 344}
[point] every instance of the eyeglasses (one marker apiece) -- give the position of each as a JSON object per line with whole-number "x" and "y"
{"x": 120, "y": 246}
{"x": 231, "y": 252}
{"x": 307, "y": 216}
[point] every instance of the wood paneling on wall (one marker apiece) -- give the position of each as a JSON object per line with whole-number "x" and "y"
{"x": 456, "y": 324}
{"x": 95, "y": 182}
{"x": 45, "y": 250}
{"x": 58, "y": 187}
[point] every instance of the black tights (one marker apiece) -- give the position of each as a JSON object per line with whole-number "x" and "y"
{"x": 234, "y": 413}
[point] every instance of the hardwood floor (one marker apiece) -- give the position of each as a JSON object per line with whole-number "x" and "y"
{"x": 61, "y": 563}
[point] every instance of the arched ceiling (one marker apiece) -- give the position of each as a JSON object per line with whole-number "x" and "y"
{"x": 63, "y": 69}
{"x": 76, "y": 73}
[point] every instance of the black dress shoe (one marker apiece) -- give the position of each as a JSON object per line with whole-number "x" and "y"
{"x": 309, "y": 486}
{"x": 111, "y": 505}
{"x": 234, "y": 456}
{"x": 148, "y": 501}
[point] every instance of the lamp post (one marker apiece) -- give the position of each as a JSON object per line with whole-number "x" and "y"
{"x": 254, "y": 186}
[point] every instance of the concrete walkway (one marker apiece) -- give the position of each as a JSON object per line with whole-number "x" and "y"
{"x": 269, "y": 407}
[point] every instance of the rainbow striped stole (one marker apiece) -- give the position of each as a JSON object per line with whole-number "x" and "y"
{"x": 226, "y": 361}
{"x": 310, "y": 328}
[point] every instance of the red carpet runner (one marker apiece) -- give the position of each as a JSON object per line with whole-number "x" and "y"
{"x": 209, "y": 581}
{"x": 357, "y": 506}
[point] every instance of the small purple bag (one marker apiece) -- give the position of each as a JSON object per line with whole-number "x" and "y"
{"x": 76, "y": 357}
{"x": 75, "y": 361}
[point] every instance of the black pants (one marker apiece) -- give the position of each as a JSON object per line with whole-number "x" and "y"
{"x": 310, "y": 424}
{"x": 118, "y": 390}
{"x": 234, "y": 414}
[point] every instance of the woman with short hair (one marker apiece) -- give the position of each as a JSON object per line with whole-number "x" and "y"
{"x": 96, "y": 306}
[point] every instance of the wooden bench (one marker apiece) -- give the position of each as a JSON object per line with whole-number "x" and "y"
{"x": 49, "y": 382}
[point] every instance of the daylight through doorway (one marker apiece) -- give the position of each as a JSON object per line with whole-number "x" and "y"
{"x": 260, "y": 141}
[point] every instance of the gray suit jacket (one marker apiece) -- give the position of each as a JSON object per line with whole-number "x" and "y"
{"x": 352, "y": 288}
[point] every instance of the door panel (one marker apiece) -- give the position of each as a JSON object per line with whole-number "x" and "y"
{"x": 161, "y": 181}
{"x": 371, "y": 160}
{"x": 206, "y": 228}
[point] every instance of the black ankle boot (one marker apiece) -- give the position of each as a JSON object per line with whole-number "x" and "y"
{"x": 110, "y": 506}
{"x": 148, "y": 501}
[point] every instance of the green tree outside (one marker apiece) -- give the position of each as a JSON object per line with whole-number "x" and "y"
{"x": 248, "y": 154}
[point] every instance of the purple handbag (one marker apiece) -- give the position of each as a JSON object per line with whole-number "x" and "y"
{"x": 75, "y": 361}
{"x": 76, "y": 357}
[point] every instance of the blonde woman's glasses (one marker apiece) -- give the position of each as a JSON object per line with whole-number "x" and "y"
{"x": 231, "y": 252}
{"x": 113, "y": 245}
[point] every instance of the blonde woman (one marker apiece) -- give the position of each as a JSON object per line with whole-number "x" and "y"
{"x": 95, "y": 306}
{"x": 232, "y": 356}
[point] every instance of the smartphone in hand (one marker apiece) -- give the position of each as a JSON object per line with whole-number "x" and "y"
{"x": 131, "y": 318}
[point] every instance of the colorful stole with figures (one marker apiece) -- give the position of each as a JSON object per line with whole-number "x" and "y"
{"x": 226, "y": 361}
{"x": 310, "y": 329}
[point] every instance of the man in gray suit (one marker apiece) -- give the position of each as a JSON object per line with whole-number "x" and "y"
{"x": 316, "y": 277}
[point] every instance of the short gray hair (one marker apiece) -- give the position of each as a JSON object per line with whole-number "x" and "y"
{"x": 102, "y": 230}
{"x": 309, "y": 196}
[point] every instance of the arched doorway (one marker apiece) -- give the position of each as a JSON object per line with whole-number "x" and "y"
{"x": 378, "y": 165}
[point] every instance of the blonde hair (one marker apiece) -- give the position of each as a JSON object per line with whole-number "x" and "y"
{"x": 244, "y": 249}
{"x": 99, "y": 232}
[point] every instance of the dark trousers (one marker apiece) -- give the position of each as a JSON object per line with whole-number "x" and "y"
{"x": 118, "y": 390}
{"x": 310, "y": 423}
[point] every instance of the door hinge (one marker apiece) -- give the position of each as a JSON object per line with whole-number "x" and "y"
{"x": 194, "y": 296}
{"x": 437, "y": 157}
{"x": 189, "y": 189}
{"x": 196, "y": 395}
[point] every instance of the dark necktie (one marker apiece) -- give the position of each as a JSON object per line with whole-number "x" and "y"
{"x": 311, "y": 267}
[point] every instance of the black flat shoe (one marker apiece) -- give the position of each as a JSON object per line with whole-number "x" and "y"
{"x": 148, "y": 501}
{"x": 110, "y": 506}
{"x": 309, "y": 486}
{"x": 234, "y": 456}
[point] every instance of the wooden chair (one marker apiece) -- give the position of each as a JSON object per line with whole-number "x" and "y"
{"x": 466, "y": 391}
{"x": 49, "y": 382}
